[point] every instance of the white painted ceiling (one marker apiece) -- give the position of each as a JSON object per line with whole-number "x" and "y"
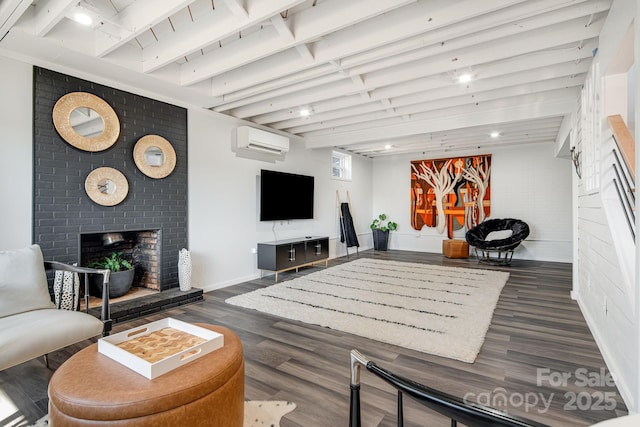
{"x": 373, "y": 73}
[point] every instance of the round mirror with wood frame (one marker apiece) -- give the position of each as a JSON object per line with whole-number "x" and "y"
{"x": 62, "y": 120}
{"x": 154, "y": 156}
{"x": 106, "y": 186}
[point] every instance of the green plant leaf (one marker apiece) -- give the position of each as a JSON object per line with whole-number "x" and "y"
{"x": 114, "y": 262}
{"x": 382, "y": 224}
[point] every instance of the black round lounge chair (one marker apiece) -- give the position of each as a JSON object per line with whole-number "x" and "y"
{"x": 500, "y": 250}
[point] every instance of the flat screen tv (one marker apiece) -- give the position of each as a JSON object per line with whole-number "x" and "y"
{"x": 285, "y": 196}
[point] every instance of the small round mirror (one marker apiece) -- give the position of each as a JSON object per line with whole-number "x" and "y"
{"x": 86, "y": 122}
{"x": 106, "y": 186}
{"x": 154, "y": 156}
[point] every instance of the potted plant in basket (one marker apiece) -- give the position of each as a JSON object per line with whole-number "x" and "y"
{"x": 381, "y": 227}
{"x": 120, "y": 279}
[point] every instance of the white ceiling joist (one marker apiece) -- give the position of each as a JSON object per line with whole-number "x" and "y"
{"x": 566, "y": 85}
{"x": 374, "y": 35}
{"x": 538, "y": 129}
{"x": 497, "y": 107}
{"x": 427, "y": 105}
{"x": 371, "y": 34}
{"x": 237, "y": 8}
{"x": 309, "y": 24}
{"x": 47, "y": 14}
{"x": 510, "y": 45}
{"x": 137, "y": 18}
{"x": 553, "y": 36}
{"x": 510, "y": 21}
{"x": 496, "y": 74}
{"x": 512, "y": 112}
{"x": 282, "y": 27}
{"x": 282, "y": 62}
{"x": 217, "y": 26}
{"x": 416, "y": 89}
{"x": 10, "y": 12}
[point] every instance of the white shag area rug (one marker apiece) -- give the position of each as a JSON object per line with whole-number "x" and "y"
{"x": 257, "y": 413}
{"x": 439, "y": 310}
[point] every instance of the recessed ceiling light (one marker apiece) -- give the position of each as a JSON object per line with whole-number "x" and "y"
{"x": 304, "y": 112}
{"x": 387, "y": 147}
{"x": 465, "y": 78}
{"x": 494, "y": 134}
{"x": 83, "y": 19}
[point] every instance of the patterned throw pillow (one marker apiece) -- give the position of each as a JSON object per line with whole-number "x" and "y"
{"x": 66, "y": 287}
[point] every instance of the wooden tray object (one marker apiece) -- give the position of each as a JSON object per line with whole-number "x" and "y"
{"x": 159, "y": 347}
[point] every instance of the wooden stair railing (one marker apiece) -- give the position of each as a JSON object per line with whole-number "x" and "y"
{"x": 625, "y": 142}
{"x": 624, "y": 168}
{"x": 456, "y": 409}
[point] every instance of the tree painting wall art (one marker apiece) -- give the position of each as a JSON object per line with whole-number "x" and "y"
{"x": 450, "y": 193}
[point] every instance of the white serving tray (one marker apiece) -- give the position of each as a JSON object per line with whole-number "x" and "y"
{"x": 108, "y": 347}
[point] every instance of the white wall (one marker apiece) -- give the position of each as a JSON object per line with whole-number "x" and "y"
{"x": 527, "y": 182}
{"x": 223, "y": 202}
{"x": 605, "y": 286}
{"x": 16, "y": 159}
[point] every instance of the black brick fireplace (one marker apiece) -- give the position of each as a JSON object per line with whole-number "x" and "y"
{"x": 63, "y": 214}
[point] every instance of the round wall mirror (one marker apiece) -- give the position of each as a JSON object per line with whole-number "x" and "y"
{"x": 85, "y": 121}
{"x": 106, "y": 186}
{"x": 154, "y": 156}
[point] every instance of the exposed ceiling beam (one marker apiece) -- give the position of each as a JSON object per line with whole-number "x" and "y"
{"x": 282, "y": 27}
{"x": 506, "y": 85}
{"x": 475, "y": 136}
{"x": 505, "y": 23}
{"x": 138, "y": 18}
{"x": 442, "y": 103}
{"x": 305, "y": 52}
{"x": 508, "y": 113}
{"x": 237, "y": 8}
{"x": 431, "y": 22}
{"x": 48, "y": 14}
{"x": 220, "y": 24}
{"x": 10, "y": 12}
{"x": 555, "y": 35}
{"x": 456, "y": 110}
{"x": 498, "y": 74}
{"x": 409, "y": 20}
{"x": 310, "y": 24}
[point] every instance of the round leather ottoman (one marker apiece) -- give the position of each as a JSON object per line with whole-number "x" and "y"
{"x": 90, "y": 388}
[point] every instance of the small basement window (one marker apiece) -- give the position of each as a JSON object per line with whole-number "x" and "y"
{"x": 341, "y": 165}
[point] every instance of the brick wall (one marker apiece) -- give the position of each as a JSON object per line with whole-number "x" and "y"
{"x": 62, "y": 209}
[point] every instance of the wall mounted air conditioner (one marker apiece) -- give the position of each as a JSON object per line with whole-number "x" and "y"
{"x": 260, "y": 140}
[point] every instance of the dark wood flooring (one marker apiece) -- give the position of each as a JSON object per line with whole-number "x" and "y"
{"x": 536, "y": 326}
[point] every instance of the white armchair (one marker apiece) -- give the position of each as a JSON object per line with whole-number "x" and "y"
{"x": 30, "y": 325}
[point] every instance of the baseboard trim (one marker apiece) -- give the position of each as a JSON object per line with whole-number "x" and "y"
{"x": 618, "y": 378}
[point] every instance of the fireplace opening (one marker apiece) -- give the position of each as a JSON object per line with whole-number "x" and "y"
{"x": 140, "y": 247}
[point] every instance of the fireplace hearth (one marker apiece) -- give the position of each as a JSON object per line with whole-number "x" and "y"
{"x": 150, "y": 304}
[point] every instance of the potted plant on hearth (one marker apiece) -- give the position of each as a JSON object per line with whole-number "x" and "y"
{"x": 381, "y": 227}
{"x": 120, "y": 279}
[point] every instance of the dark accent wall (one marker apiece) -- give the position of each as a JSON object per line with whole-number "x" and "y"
{"x": 61, "y": 208}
